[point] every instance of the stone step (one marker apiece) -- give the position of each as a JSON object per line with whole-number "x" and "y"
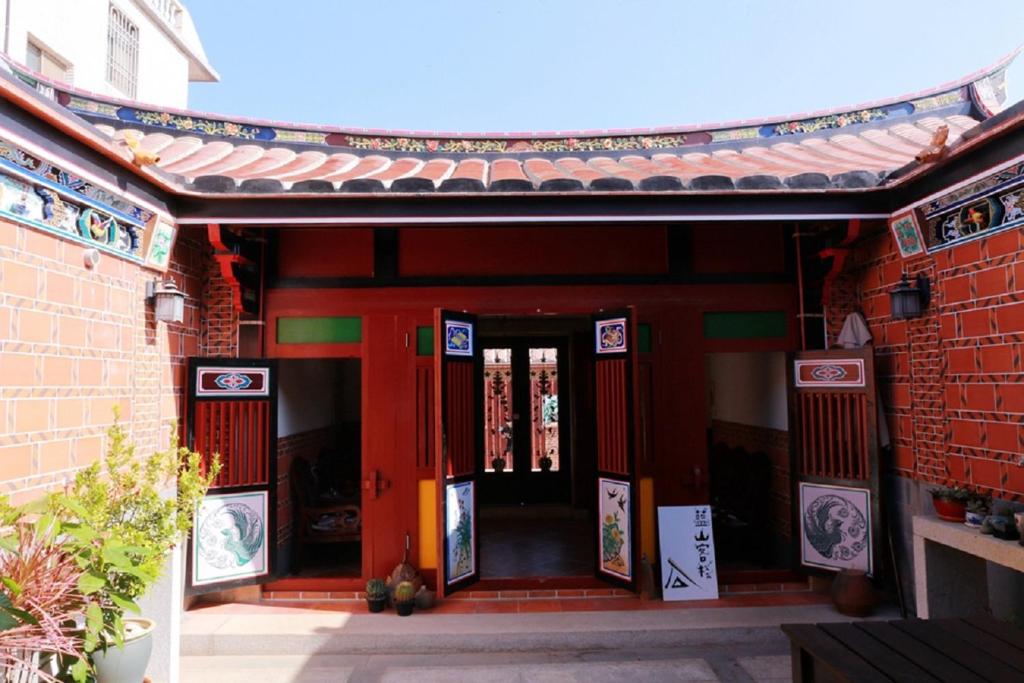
{"x": 292, "y": 631}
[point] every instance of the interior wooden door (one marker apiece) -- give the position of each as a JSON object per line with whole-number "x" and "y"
{"x": 615, "y": 349}
{"x": 459, "y": 441}
{"x": 232, "y": 412}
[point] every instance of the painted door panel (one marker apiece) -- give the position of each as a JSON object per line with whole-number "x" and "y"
{"x": 232, "y": 412}
{"x": 458, "y": 438}
{"x": 615, "y": 350}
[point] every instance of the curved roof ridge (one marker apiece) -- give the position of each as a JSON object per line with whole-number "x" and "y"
{"x": 69, "y": 91}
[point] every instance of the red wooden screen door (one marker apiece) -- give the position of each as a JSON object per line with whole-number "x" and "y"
{"x": 834, "y": 409}
{"x": 615, "y": 348}
{"x": 232, "y": 413}
{"x": 458, "y": 385}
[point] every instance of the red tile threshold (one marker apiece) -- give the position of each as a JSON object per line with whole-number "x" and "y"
{"x": 584, "y": 604}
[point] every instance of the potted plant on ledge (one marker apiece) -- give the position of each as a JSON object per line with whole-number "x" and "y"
{"x": 950, "y": 502}
{"x": 977, "y": 510}
{"x": 405, "y": 598}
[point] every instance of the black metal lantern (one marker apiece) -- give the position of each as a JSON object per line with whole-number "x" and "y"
{"x": 909, "y": 302}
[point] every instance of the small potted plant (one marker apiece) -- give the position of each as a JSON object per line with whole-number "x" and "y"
{"x": 498, "y": 463}
{"x": 977, "y": 510}
{"x": 950, "y": 502}
{"x": 376, "y": 595}
{"x": 545, "y": 463}
{"x": 405, "y": 598}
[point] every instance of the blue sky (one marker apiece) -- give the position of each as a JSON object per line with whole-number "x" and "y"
{"x": 539, "y": 65}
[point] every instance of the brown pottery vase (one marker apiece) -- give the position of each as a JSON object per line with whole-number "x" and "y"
{"x": 852, "y": 593}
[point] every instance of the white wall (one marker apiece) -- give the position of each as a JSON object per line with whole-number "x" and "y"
{"x": 76, "y": 32}
{"x": 748, "y": 388}
{"x": 316, "y": 393}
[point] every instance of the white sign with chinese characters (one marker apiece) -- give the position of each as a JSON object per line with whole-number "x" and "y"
{"x": 687, "y": 553}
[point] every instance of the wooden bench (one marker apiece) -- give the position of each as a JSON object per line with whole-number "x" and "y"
{"x": 968, "y": 650}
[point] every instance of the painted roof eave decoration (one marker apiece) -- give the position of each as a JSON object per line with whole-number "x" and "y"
{"x": 850, "y": 149}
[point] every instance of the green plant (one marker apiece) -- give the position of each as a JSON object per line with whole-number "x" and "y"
{"x": 120, "y": 518}
{"x": 957, "y": 493}
{"x": 376, "y": 589}
{"x": 978, "y": 503}
{"x": 405, "y": 592}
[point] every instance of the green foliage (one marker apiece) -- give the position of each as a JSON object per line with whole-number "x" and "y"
{"x": 957, "y": 493}
{"x": 122, "y": 521}
{"x": 376, "y": 589}
{"x": 405, "y": 592}
{"x": 116, "y": 522}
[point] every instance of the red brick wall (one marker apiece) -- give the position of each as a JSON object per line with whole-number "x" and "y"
{"x": 953, "y": 380}
{"x": 76, "y": 342}
{"x": 775, "y": 444}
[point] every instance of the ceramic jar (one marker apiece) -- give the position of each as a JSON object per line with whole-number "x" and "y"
{"x": 853, "y": 593}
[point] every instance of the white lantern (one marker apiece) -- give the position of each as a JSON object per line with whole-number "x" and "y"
{"x": 168, "y": 301}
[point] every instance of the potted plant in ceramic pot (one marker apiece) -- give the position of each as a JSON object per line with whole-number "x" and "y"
{"x": 376, "y": 595}
{"x": 950, "y": 502}
{"x": 498, "y": 463}
{"x": 977, "y": 510}
{"x": 121, "y": 518}
{"x": 545, "y": 463}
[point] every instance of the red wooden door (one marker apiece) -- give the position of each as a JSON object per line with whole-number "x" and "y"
{"x": 232, "y": 413}
{"x": 458, "y": 383}
{"x": 615, "y": 350}
{"x": 835, "y": 428}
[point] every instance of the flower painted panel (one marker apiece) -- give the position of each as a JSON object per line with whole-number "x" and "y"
{"x": 460, "y": 530}
{"x": 614, "y": 528}
{"x": 230, "y": 538}
{"x": 458, "y": 338}
{"x": 610, "y": 336}
{"x": 835, "y": 527}
{"x": 907, "y": 233}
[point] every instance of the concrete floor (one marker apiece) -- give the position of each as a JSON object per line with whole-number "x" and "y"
{"x": 239, "y": 643}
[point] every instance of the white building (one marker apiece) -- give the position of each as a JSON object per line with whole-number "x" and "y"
{"x": 146, "y": 50}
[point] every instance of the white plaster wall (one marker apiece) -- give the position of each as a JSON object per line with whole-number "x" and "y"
{"x": 76, "y": 32}
{"x": 748, "y": 388}
{"x": 306, "y": 397}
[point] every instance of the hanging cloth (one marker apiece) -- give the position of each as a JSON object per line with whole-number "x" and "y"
{"x": 854, "y": 335}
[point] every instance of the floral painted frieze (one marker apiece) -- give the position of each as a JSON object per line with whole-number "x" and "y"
{"x": 990, "y": 203}
{"x": 38, "y": 194}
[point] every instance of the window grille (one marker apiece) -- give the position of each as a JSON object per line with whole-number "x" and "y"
{"x": 122, "y": 52}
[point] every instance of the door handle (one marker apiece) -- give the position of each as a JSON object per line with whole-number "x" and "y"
{"x": 375, "y": 484}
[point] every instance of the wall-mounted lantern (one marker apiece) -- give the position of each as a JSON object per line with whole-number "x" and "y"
{"x": 910, "y": 301}
{"x": 167, "y": 300}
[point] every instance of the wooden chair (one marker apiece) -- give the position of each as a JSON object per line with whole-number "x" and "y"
{"x": 318, "y": 519}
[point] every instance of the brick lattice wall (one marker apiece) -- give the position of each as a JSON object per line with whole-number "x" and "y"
{"x": 952, "y": 381}
{"x": 76, "y": 342}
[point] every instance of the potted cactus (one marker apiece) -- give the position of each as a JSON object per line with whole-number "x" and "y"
{"x": 376, "y": 595}
{"x": 977, "y": 510}
{"x": 545, "y": 463}
{"x": 405, "y": 598}
{"x": 498, "y": 463}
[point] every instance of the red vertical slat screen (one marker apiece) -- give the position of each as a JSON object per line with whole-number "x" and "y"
{"x": 235, "y": 431}
{"x": 833, "y": 434}
{"x": 461, "y": 415}
{"x": 425, "y": 416}
{"x": 612, "y": 416}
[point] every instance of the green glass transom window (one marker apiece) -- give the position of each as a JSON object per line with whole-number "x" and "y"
{"x": 744, "y": 325}
{"x": 326, "y": 330}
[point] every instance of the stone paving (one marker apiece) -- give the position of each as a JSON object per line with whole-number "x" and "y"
{"x": 245, "y": 643}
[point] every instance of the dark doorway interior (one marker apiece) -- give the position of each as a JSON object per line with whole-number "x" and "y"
{"x": 319, "y": 447}
{"x": 535, "y": 520}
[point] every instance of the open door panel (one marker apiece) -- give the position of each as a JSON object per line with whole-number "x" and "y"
{"x": 458, "y": 385}
{"x": 232, "y": 413}
{"x": 615, "y": 397}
